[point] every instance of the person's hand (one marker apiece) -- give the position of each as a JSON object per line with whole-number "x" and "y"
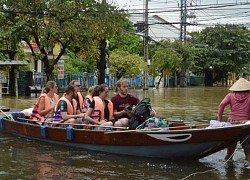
{"x": 102, "y": 121}
{"x": 128, "y": 109}
{"x": 81, "y": 115}
{"x": 128, "y": 113}
{"x": 51, "y": 110}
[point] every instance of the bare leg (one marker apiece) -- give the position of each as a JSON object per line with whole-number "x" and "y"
{"x": 109, "y": 123}
{"x": 118, "y": 124}
{"x": 123, "y": 122}
{"x": 74, "y": 121}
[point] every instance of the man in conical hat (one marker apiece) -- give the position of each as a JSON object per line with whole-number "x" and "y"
{"x": 239, "y": 101}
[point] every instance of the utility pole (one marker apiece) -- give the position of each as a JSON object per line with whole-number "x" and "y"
{"x": 183, "y": 38}
{"x": 145, "y": 38}
{"x": 183, "y": 32}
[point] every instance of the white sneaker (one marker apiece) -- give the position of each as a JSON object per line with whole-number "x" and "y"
{"x": 246, "y": 164}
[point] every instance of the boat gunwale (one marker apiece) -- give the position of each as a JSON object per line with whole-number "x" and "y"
{"x": 143, "y": 131}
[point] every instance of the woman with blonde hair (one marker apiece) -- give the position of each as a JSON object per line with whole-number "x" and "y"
{"x": 88, "y": 99}
{"x": 44, "y": 107}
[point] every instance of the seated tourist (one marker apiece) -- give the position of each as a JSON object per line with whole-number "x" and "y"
{"x": 121, "y": 100}
{"x": 78, "y": 97}
{"x": 88, "y": 99}
{"x": 66, "y": 108}
{"x": 100, "y": 111}
{"x": 45, "y": 105}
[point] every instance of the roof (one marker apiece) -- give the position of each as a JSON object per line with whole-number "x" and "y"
{"x": 13, "y": 63}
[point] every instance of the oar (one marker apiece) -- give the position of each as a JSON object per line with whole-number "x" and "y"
{"x": 6, "y": 115}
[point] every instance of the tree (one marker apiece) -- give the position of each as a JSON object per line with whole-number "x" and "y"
{"x": 221, "y": 50}
{"x": 122, "y": 63}
{"x": 10, "y": 45}
{"x": 165, "y": 58}
{"x": 174, "y": 56}
{"x": 187, "y": 52}
{"x": 108, "y": 23}
{"x": 75, "y": 64}
{"x": 128, "y": 41}
{"x": 75, "y": 24}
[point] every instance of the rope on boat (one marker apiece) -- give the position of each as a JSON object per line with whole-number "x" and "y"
{"x": 203, "y": 172}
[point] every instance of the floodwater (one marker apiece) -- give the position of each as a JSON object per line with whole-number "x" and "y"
{"x": 29, "y": 159}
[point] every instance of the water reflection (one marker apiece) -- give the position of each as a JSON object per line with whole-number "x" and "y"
{"x": 27, "y": 159}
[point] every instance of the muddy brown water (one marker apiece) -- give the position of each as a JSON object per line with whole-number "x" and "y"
{"x": 21, "y": 158}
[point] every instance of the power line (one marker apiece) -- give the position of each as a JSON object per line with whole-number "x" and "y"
{"x": 204, "y": 7}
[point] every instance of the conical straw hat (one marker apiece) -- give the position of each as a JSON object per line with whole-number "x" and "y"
{"x": 240, "y": 85}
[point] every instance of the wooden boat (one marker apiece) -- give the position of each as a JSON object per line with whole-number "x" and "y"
{"x": 177, "y": 142}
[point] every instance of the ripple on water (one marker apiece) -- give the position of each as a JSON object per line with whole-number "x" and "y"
{"x": 3, "y": 173}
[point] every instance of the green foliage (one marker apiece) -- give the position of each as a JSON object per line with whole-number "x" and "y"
{"x": 174, "y": 56}
{"x": 78, "y": 25}
{"x": 128, "y": 41}
{"x": 222, "y": 50}
{"x": 123, "y": 63}
{"x": 164, "y": 59}
{"x": 74, "y": 64}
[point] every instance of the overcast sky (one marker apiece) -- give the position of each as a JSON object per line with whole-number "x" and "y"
{"x": 203, "y": 13}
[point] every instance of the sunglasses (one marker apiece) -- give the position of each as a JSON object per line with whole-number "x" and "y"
{"x": 78, "y": 85}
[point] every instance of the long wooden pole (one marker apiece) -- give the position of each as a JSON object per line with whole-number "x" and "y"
{"x": 6, "y": 115}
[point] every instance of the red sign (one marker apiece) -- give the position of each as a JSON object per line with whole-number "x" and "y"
{"x": 61, "y": 69}
{"x": 166, "y": 72}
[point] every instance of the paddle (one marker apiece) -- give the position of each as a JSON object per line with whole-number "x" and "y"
{"x": 6, "y": 115}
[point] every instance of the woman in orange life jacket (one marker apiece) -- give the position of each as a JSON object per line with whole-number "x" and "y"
{"x": 66, "y": 108}
{"x": 88, "y": 99}
{"x": 100, "y": 110}
{"x": 78, "y": 97}
{"x": 44, "y": 107}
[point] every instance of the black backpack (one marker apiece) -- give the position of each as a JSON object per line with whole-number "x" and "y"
{"x": 140, "y": 113}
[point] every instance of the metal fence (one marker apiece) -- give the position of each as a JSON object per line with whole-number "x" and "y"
{"x": 86, "y": 80}
{"x": 38, "y": 79}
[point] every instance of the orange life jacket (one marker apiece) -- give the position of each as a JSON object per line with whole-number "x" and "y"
{"x": 71, "y": 110}
{"x": 80, "y": 98}
{"x": 87, "y": 100}
{"x": 35, "y": 115}
{"x": 98, "y": 111}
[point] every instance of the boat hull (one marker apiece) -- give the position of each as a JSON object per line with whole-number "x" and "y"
{"x": 165, "y": 143}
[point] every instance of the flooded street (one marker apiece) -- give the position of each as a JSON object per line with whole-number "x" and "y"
{"x": 30, "y": 159}
{"x": 194, "y": 103}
